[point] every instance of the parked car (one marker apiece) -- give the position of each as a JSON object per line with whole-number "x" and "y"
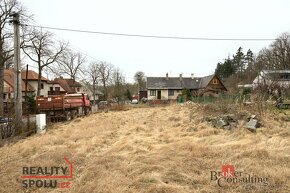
{"x": 5, "y": 120}
{"x": 144, "y": 100}
{"x": 104, "y": 105}
{"x": 134, "y": 101}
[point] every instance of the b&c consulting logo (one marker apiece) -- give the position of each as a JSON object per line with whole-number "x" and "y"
{"x": 47, "y": 177}
{"x": 229, "y": 176}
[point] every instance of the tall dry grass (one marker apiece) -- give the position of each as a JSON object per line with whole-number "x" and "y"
{"x": 160, "y": 149}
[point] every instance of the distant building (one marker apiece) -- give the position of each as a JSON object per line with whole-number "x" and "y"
{"x": 273, "y": 77}
{"x": 69, "y": 85}
{"x": 168, "y": 88}
{"x": 9, "y": 82}
{"x": 58, "y": 86}
{"x": 87, "y": 88}
{"x": 32, "y": 79}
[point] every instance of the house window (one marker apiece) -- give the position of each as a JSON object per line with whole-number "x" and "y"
{"x": 78, "y": 89}
{"x": 215, "y": 81}
{"x": 170, "y": 92}
{"x": 41, "y": 86}
{"x": 285, "y": 77}
{"x": 51, "y": 88}
{"x": 152, "y": 92}
{"x": 57, "y": 88}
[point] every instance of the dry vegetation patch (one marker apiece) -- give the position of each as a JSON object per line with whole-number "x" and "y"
{"x": 160, "y": 149}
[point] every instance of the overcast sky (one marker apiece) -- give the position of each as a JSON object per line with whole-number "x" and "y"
{"x": 189, "y": 18}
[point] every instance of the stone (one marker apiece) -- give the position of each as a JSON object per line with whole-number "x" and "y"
{"x": 228, "y": 127}
{"x": 221, "y": 123}
{"x": 253, "y": 116}
{"x": 252, "y": 125}
{"x": 233, "y": 124}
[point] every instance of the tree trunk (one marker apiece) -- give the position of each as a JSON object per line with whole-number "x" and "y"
{"x": 39, "y": 82}
{"x": 105, "y": 91}
{"x": 74, "y": 86}
{"x": 1, "y": 88}
{"x": 94, "y": 92}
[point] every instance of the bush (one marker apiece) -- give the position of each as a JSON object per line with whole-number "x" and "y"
{"x": 186, "y": 93}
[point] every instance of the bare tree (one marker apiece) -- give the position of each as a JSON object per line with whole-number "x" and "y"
{"x": 277, "y": 56}
{"x": 41, "y": 49}
{"x": 93, "y": 72}
{"x": 119, "y": 81}
{"x": 139, "y": 78}
{"x": 281, "y": 51}
{"x": 70, "y": 63}
{"x": 6, "y": 47}
{"x": 105, "y": 71}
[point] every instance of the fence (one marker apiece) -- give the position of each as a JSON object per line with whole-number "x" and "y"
{"x": 6, "y": 130}
{"x": 7, "y": 123}
{"x": 223, "y": 97}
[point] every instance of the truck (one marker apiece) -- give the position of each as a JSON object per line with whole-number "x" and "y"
{"x": 67, "y": 107}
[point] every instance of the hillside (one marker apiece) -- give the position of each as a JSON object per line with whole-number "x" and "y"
{"x": 157, "y": 149}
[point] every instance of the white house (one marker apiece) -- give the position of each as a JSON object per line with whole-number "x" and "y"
{"x": 273, "y": 77}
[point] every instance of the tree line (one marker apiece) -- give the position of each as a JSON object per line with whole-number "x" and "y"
{"x": 243, "y": 67}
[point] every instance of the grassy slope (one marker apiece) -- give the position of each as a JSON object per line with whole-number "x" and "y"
{"x": 164, "y": 149}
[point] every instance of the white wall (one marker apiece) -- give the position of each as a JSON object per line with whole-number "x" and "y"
{"x": 164, "y": 95}
{"x": 54, "y": 85}
{"x": 176, "y": 93}
{"x": 46, "y": 87}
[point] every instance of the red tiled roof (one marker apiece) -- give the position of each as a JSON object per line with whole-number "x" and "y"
{"x": 31, "y": 75}
{"x": 73, "y": 83}
{"x": 68, "y": 85}
{"x": 9, "y": 79}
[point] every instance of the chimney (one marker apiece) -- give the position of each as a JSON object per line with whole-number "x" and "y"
{"x": 180, "y": 77}
{"x": 192, "y": 77}
{"x": 167, "y": 76}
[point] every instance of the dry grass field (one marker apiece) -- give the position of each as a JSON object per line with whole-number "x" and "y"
{"x": 155, "y": 150}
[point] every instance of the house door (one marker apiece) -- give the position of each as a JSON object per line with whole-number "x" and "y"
{"x": 159, "y": 94}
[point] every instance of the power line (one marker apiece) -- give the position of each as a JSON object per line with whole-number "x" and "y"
{"x": 154, "y": 36}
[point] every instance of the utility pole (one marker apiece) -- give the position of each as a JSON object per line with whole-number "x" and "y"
{"x": 17, "y": 72}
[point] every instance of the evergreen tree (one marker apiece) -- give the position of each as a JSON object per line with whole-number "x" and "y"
{"x": 239, "y": 62}
{"x": 226, "y": 69}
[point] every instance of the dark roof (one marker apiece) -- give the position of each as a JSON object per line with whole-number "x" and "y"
{"x": 275, "y": 74}
{"x": 206, "y": 80}
{"x": 89, "y": 87}
{"x": 175, "y": 83}
{"x": 276, "y": 71}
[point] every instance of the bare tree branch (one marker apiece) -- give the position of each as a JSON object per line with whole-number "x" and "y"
{"x": 42, "y": 50}
{"x": 6, "y": 45}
